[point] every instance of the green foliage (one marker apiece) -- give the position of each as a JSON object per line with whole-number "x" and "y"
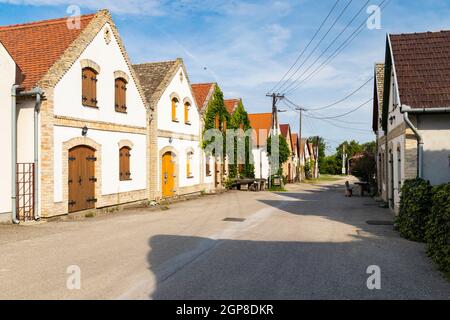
{"x": 216, "y": 106}
{"x": 330, "y": 165}
{"x": 308, "y": 169}
{"x": 240, "y": 120}
{"x": 283, "y": 151}
{"x": 415, "y": 207}
{"x": 365, "y": 168}
{"x": 437, "y": 233}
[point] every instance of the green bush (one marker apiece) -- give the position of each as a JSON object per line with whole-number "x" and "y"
{"x": 438, "y": 228}
{"x": 415, "y": 208}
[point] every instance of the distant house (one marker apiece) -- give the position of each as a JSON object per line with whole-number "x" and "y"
{"x": 296, "y": 155}
{"x": 179, "y": 162}
{"x": 262, "y": 124}
{"x": 288, "y": 167}
{"x": 412, "y": 112}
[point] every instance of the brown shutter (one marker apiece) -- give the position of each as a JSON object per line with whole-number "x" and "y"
{"x": 116, "y": 95}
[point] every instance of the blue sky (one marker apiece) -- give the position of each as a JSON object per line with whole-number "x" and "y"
{"x": 247, "y": 46}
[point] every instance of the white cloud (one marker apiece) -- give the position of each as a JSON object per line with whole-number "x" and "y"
{"x": 135, "y": 7}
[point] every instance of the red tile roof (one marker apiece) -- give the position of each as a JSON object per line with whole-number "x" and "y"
{"x": 201, "y": 92}
{"x": 422, "y": 64}
{"x": 260, "y": 122}
{"x": 284, "y": 130}
{"x": 231, "y": 104}
{"x": 36, "y": 46}
{"x": 295, "y": 142}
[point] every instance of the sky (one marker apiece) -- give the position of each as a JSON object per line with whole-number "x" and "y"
{"x": 248, "y": 46}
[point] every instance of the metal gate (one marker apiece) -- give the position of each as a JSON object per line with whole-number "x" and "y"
{"x": 25, "y": 191}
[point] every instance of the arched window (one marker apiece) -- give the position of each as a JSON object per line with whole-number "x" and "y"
{"x": 189, "y": 157}
{"x": 124, "y": 159}
{"x": 89, "y": 87}
{"x": 120, "y": 95}
{"x": 174, "y": 109}
{"x": 187, "y": 106}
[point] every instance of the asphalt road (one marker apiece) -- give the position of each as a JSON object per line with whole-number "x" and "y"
{"x": 308, "y": 243}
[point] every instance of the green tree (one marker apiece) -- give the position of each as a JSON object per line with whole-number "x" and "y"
{"x": 283, "y": 153}
{"x": 240, "y": 120}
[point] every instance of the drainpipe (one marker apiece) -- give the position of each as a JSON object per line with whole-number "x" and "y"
{"x": 405, "y": 111}
{"x": 14, "y": 154}
{"x": 38, "y": 93}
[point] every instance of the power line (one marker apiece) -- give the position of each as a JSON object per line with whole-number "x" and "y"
{"x": 338, "y": 51}
{"x": 317, "y": 45}
{"x": 329, "y": 46}
{"x": 347, "y": 128}
{"x": 306, "y": 48}
{"x": 344, "y": 114}
{"x": 341, "y": 100}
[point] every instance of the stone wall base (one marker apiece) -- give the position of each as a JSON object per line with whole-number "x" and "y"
{"x": 5, "y": 218}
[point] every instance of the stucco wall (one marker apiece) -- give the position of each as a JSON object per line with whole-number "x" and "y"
{"x": 8, "y": 72}
{"x": 435, "y": 130}
{"x": 261, "y": 162}
{"x": 67, "y": 96}
{"x": 109, "y": 142}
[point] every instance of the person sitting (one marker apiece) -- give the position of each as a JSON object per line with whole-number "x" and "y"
{"x": 348, "y": 190}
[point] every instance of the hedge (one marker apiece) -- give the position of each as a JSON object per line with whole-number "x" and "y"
{"x": 438, "y": 228}
{"x": 415, "y": 208}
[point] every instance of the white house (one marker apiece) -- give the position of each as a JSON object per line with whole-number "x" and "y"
{"x": 262, "y": 124}
{"x": 415, "y": 115}
{"x": 81, "y": 117}
{"x": 180, "y": 163}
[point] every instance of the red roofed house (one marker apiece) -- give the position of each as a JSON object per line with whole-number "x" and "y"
{"x": 289, "y": 169}
{"x": 81, "y": 129}
{"x": 415, "y": 113}
{"x": 207, "y": 94}
{"x": 262, "y": 124}
{"x": 231, "y": 104}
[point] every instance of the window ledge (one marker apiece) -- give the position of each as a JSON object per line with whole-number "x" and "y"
{"x": 188, "y": 123}
{"x": 175, "y": 120}
{"x": 126, "y": 179}
{"x": 190, "y": 177}
{"x": 93, "y": 107}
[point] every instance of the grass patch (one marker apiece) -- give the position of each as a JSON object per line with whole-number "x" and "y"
{"x": 276, "y": 189}
{"x": 89, "y": 215}
{"x": 324, "y": 178}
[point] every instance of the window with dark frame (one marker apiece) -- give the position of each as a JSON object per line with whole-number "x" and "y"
{"x": 120, "y": 95}
{"x": 124, "y": 160}
{"x": 89, "y": 87}
{"x": 208, "y": 166}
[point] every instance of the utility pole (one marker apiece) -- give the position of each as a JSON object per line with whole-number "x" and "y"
{"x": 317, "y": 157}
{"x": 300, "y": 134}
{"x": 344, "y": 160}
{"x": 275, "y": 97}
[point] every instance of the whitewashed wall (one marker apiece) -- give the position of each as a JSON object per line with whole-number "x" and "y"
{"x": 179, "y": 87}
{"x": 67, "y": 102}
{"x": 7, "y": 80}
{"x": 111, "y": 183}
{"x": 261, "y": 160}
{"x": 182, "y": 147}
{"x": 67, "y": 97}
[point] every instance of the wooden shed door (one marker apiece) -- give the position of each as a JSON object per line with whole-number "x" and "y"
{"x": 168, "y": 170}
{"x": 82, "y": 179}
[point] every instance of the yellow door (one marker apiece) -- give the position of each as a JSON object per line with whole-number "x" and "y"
{"x": 167, "y": 175}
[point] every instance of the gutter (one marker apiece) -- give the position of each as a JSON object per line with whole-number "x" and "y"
{"x": 38, "y": 93}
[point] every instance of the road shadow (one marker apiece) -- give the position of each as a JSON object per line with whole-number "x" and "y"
{"x": 196, "y": 268}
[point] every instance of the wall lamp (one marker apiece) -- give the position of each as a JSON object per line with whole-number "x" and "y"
{"x": 84, "y": 131}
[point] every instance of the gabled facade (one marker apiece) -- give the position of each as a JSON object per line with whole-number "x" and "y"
{"x": 289, "y": 169}
{"x": 214, "y": 115}
{"x": 296, "y": 156}
{"x": 180, "y": 163}
{"x": 261, "y": 124}
{"x": 416, "y": 111}
{"x": 77, "y": 86}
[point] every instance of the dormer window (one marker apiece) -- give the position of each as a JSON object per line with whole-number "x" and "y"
{"x": 121, "y": 95}
{"x": 89, "y": 87}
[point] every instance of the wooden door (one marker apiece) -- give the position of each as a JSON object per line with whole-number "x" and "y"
{"x": 82, "y": 179}
{"x": 168, "y": 171}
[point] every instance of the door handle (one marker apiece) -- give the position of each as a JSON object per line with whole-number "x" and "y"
{"x": 165, "y": 177}
{"x": 80, "y": 180}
